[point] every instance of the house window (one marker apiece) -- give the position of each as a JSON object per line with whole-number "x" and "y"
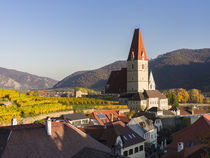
{"x": 125, "y": 153}
{"x": 136, "y": 149}
{"x": 130, "y": 151}
{"x": 132, "y": 66}
{"x": 190, "y": 143}
{"x": 141, "y": 148}
{"x": 85, "y": 121}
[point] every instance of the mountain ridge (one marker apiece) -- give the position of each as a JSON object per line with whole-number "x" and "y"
{"x": 18, "y": 80}
{"x": 175, "y": 69}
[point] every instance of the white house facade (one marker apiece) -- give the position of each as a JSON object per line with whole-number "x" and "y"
{"x": 144, "y": 128}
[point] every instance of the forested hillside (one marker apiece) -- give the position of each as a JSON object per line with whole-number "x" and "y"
{"x": 184, "y": 68}
{"x": 95, "y": 79}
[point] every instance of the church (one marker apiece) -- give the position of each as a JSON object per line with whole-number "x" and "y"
{"x": 135, "y": 84}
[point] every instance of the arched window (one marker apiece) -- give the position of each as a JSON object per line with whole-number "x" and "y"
{"x": 142, "y": 66}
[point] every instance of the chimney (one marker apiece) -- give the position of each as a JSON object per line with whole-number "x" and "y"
{"x": 177, "y": 112}
{"x": 180, "y": 146}
{"x": 48, "y": 126}
{"x": 13, "y": 121}
{"x": 112, "y": 119}
{"x": 165, "y": 144}
{"x": 192, "y": 111}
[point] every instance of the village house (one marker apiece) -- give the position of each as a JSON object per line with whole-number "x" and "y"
{"x": 144, "y": 128}
{"x": 119, "y": 137}
{"x": 79, "y": 94}
{"x": 151, "y": 116}
{"x": 75, "y": 119}
{"x": 107, "y": 116}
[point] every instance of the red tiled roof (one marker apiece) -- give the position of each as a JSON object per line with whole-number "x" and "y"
{"x": 190, "y": 152}
{"x": 25, "y": 126}
{"x": 137, "y": 47}
{"x": 117, "y": 82}
{"x": 106, "y": 119}
{"x": 193, "y": 133}
{"x": 32, "y": 141}
{"x": 184, "y": 111}
{"x": 109, "y": 134}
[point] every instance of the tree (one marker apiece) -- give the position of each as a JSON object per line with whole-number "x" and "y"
{"x": 172, "y": 99}
{"x": 182, "y": 95}
{"x": 196, "y": 96}
{"x": 131, "y": 113}
{"x": 201, "y": 98}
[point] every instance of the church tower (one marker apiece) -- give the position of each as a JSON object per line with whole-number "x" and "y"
{"x": 151, "y": 82}
{"x": 137, "y": 65}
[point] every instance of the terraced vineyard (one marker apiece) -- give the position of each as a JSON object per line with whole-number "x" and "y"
{"x": 20, "y": 105}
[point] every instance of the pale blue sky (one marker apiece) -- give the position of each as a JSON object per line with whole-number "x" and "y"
{"x": 55, "y": 38}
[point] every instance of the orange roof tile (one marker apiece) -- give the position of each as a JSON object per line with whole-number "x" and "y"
{"x": 104, "y": 116}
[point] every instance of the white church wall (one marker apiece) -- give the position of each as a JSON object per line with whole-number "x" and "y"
{"x": 152, "y": 102}
{"x": 137, "y": 76}
{"x": 164, "y": 104}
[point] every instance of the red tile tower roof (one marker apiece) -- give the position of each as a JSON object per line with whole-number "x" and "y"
{"x": 137, "y": 47}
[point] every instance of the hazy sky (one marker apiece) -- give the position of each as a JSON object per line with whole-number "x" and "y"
{"x": 55, "y": 38}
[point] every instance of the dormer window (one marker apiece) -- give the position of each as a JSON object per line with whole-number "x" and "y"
{"x": 142, "y": 55}
{"x": 132, "y": 55}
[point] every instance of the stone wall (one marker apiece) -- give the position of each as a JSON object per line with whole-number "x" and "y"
{"x": 175, "y": 122}
{"x": 40, "y": 117}
{"x": 58, "y": 114}
{"x": 171, "y": 122}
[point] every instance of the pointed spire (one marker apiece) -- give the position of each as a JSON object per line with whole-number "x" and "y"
{"x": 151, "y": 82}
{"x": 137, "y": 51}
{"x": 151, "y": 77}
